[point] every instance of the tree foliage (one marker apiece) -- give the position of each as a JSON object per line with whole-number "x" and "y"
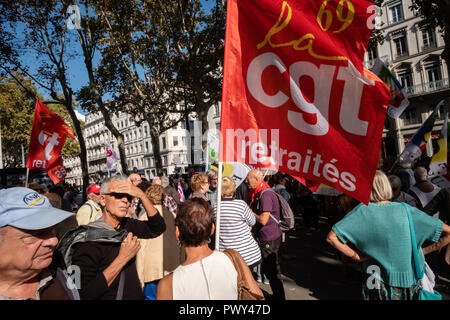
{"x": 17, "y": 120}
{"x": 46, "y": 40}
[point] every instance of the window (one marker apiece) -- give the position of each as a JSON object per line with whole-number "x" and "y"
{"x": 433, "y": 73}
{"x": 183, "y": 141}
{"x": 164, "y": 160}
{"x": 175, "y": 141}
{"x": 410, "y": 116}
{"x": 401, "y": 49}
{"x": 429, "y": 39}
{"x": 396, "y": 12}
{"x": 146, "y": 146}
{"x": 405, "y": 78}
{"x": 372, "y": 53}
{"x": 217, "y": 110}
{"x": 163, "y": 143}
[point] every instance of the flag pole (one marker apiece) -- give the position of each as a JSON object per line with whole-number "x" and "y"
{"x": 219, "y": 198}
{"x": 26, "y": 179}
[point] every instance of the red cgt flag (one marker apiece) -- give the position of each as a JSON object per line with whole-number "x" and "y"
{"x": 48, "y": 136}
{"x": 296, "y": 97}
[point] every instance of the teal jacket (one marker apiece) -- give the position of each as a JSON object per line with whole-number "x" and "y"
{"x": 381, "y": 231}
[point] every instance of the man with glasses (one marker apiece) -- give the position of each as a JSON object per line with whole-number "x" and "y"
{"x": 211, "y": 194}
{"x": 27, "y": 243}
{"x": 107, "y": 263}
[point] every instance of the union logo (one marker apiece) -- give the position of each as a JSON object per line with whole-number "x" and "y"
{"x": 33, "y": 199}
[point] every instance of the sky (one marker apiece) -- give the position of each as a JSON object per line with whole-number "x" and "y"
{"x": 77, "y": 73}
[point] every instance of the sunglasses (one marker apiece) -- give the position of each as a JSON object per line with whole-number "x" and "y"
{"x": 120, "y": 195}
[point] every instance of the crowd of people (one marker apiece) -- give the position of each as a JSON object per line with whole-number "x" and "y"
{"x": 135, "y": 239}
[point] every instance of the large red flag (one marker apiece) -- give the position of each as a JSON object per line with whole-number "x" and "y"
{"x": 296, "y": 97}
{"x": 48, "y": 136}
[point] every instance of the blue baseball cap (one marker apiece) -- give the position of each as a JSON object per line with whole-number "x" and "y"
{"x": 26, "y": 209}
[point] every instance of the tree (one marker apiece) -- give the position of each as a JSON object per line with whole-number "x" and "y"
{"x": 90, "y": 33}
{"x": 199, "y": 38}
{"x": 17, "y": 120}
{"x": 45, "y": 34}
{"x": 137, "y": 66}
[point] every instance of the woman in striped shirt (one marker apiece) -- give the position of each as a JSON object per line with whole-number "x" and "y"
{"x": 236, "y": 220}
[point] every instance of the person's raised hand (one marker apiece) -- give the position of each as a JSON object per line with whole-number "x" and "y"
{"x": 128, "y": 188}
{"x": 129, "y": 247}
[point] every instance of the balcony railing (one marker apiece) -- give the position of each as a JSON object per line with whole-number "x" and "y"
{"x": 427, "y": 87}
{"x": 428, "y": 46}
{"x": 401, "y": 55}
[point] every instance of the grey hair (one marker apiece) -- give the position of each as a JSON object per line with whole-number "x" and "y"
{"x": 105, "y": 183}
{"x": 395, "y": 181}
{"x": 257, "y": 174}
{"x": 211, "y": 173}
{"x": 381, "y": 188}
{"x": 165, "y": 181}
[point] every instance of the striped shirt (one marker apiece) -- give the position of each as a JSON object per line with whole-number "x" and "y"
{"x": 235, "y": 220}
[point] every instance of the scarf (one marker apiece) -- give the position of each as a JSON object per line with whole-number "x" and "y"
{"x": 252, "y": 193}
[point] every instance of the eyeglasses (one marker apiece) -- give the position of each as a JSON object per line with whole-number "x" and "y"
{"x": 120, "y": 195}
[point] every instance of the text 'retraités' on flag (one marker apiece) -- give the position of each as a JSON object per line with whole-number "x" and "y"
{"x": 48, "y": 136}
{"x": 296, "y": 97}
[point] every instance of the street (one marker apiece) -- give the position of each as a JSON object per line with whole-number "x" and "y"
{"x": 317, "y": 272}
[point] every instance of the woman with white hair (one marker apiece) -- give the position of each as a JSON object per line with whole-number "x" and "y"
{"x": 378, "y": 235}
{"x": 236, "y": 220}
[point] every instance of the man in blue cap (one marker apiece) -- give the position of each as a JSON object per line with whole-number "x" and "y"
{"x": 27, "y": 242}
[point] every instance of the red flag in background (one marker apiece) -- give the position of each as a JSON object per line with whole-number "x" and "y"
{"x": 48, "y": 136}
{"x": 296, "y": 97}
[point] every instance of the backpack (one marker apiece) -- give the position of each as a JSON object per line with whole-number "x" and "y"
{"x": 97, "y": 217}
{"x": 287, "y": 220}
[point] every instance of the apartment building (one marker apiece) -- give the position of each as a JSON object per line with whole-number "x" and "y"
{"x": 180, "y": 147}
{"x": 413, "y": 54}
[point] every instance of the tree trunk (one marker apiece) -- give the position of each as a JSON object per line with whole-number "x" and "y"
{"x": 106, "y": 116}
{"x": 79, "y": 134}
{"x": 156, "y": 149}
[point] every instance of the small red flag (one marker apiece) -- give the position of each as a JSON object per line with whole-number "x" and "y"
{"x": 48, "y": 136}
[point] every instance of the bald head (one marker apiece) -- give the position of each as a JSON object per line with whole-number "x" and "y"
{"x": 420, "y": 174}
{"x": 254, "y": 177}
{"x": 134, "y": 178}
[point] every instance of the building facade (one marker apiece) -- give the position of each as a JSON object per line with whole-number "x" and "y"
{"x": 413, "y": 54}
{"x": 180, "y": 147}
